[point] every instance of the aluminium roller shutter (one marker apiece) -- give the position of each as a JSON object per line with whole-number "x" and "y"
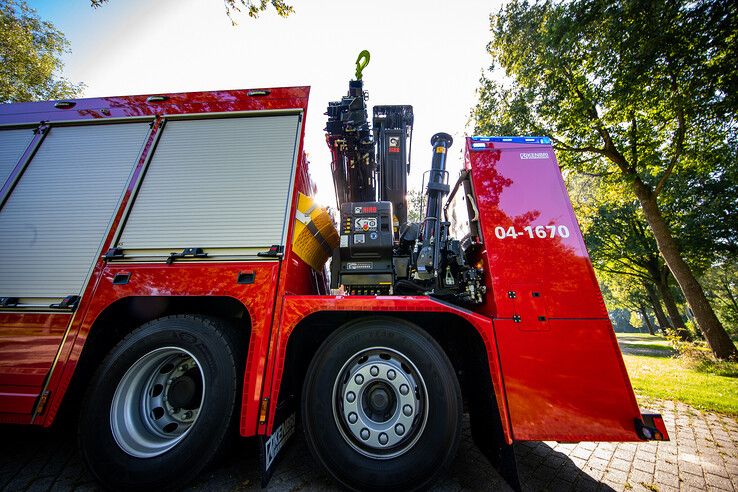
{"x": 215, "y": 183}
{"x": 12, "y": 145}
{"x": 52, "y": 226}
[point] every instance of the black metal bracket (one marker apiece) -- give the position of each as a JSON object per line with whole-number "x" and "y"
{"x": 69, "y": 302}
{"x": 516, "y": 318}
{"x": 113, "y": 254}
{"x": 275, "y": 251}
{"x": 8, "y": 302}
{"x": 647, "y": 428}
{"x": 187, "y": 253}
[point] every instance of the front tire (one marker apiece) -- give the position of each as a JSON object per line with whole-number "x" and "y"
{"x": 160, "y": 405}
{"x": 381, "y": 406}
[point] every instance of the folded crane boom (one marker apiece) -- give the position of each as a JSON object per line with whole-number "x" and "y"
{"x": 380, "y": 251}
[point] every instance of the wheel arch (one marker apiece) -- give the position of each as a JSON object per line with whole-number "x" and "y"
{"x": 460, "y": 340}
{"x": 123, "y": 315}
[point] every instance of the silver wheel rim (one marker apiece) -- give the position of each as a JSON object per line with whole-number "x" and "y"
{"x": 157, "y": 402}
{"x": 380, "y": 403}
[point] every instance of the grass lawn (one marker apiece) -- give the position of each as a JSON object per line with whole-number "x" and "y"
{"x": 645, "y": 341}
{"x": 658, "y": 375}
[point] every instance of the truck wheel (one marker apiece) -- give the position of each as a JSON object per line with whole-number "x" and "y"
{"x": 161, "y": 403}
{"x": 381, "y": 406}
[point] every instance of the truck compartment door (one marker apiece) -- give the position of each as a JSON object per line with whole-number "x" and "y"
{"x": 51, "y": 231}
{"x": 219, "y": 184}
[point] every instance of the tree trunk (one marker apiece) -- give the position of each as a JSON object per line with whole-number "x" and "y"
{"x": 658, "y": 310}
{"x": 720, "y": 343}
{"x": 677, "y": 322}
{"x": 646, "y": 319}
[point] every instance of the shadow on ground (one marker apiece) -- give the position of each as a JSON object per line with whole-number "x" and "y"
{"x": 34, "y": 459}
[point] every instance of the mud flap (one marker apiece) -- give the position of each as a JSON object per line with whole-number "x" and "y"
{"x": 271, "y": 446}
{"x": 500, "y": 454}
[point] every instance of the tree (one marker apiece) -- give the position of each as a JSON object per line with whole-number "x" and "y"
{"x": 31, "y": 50}
{"x": 252, "y": 7}
{"x": 622, "y": 98}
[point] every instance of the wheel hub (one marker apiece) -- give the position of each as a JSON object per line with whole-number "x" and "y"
{"x": 380, "y": 404}
{"x": 156, "y": 402}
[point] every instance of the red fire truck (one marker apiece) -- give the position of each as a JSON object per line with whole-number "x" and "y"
{"x": 162, "y": 272}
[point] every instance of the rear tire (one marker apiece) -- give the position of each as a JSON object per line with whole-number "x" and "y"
{"x": 381, "y": 406}
{"x": 161, "y": 404}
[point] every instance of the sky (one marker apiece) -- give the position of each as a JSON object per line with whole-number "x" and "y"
{"x": 427, "y": 53}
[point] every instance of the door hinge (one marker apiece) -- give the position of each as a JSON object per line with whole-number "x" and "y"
{"x": 187, "y": 253}
{"x": 275, "y": 251}
{"x": 69, "y": 302}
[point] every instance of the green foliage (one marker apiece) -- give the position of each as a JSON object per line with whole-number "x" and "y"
{"x": 585, "y": 67}
{"x": 415, "y": 200}
{"x": 722, "y": 283}
{"x": 252, "y": 7}
{"x": 31, "y": 50}
{"x": 640, "y": 96}
{"x": 693, "y": 376}
{"x": 696, "y": 356}
{"x": 671, "y": 379}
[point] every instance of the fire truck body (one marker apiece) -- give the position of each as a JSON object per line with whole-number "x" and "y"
{"x": 178, "y": 212}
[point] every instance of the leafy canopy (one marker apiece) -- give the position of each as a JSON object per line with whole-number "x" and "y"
{"x": 645, "y": 84}
{"x": 252, "y": 7}
{"x": 30, "y": 56}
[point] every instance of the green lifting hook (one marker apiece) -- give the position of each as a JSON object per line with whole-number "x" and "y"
{"x": 361, "y": 62}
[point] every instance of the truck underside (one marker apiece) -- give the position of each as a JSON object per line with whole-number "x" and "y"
{"x": 163, "y": 273}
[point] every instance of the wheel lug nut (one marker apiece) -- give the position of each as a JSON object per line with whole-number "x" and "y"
{"x": 404, "y": 389}
{"x": 374, "y": 370}
{"x": 391, "y": 374}
{"x": 383, "y": 438}
{"x": 364, "y": 434}
{"x": 350, "y": 396}
{"x": 399, "y": 429}
{"x": 407, "y": 410}
{"x": 352, "y": 418}
{"x": 359, "y": 379}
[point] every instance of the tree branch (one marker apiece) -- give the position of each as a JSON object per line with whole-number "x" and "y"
{"x": 679, "y": 134}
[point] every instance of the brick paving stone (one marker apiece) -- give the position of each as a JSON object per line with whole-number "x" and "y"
{"x": 703, "y": 455}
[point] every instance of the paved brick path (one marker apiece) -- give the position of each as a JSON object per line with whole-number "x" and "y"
{"x": 703, "y": 455}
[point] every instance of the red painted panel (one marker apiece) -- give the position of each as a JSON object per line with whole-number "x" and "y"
{"x": 512, "y": 194}
{"x": 567, "y": 383}
{"x": 178, "y": 279}
{"x": 101, "y": 108}
{"x": 562, "y": 368}
{"x": 28, "y": 345}
{"x": 195, "y": 279}
{"x": 297, "y": 308}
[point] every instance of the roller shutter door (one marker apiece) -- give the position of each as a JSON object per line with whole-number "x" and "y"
{"x": 218, "y": 184}
{"x": 52, "y": 226}
{"x": 12, "y": 145}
